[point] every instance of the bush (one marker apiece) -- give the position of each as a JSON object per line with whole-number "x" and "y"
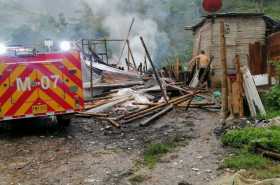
{"x": 272, "y": 98}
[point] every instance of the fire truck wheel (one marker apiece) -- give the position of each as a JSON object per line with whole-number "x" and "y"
{"x": 63, "y": 121}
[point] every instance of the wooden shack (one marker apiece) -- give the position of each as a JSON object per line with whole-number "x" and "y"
{"x": 245, "y": 35}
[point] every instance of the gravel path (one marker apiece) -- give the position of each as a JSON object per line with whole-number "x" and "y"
{"x": 197, "y": 163}
{"x": 91, "y": 153}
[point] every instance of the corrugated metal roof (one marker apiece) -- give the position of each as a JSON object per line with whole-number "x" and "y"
{"x": 219, "y": 15}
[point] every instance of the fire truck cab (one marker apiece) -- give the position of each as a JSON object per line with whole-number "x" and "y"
{"x": 39, "y": 85}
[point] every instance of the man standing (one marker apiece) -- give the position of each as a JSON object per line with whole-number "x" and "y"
{"x": 201, "y": 62}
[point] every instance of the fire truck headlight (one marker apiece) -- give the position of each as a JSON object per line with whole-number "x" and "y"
{"x": 65, "y": 45}
{"x": 3, "y": 49}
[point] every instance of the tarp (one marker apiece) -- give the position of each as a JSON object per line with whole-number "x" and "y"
{"x": 239, "y": 179}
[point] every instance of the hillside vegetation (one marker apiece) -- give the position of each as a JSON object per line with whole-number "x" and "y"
{"x": 271, "y": 7}
{"x": 29, "y": 21}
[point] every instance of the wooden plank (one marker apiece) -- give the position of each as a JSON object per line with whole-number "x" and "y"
{"x": 86, "y": 114}
{"x": 268, "y": 153}
{"x": 161, "y": 113}
{"x": 230, "y": 96}
{"x": 252, "y": 94}
{"x": 177, "y": 69}
{"x": 239, "y": 82}
{"x": 249, "y": 99}
{"x": 141, "y": 116}
{"x": 225, "y": 109}
{"x": 235, "y": 99}
{"x": 114, "y": 123}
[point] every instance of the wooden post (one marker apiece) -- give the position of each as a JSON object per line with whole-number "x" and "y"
{"x": 154, "y": 69}
{"x": 145, "y": 64}
{"x": 230, "y": 96}
{"x": 225, "y": 109}
{"x": 240, "y": 86}
{"x": 106, "y": 50}
{"x": 177, "y": 69}
{"x": 128, "y": 34}
{"x": 131, "y": 54}
{"x": 127, "y": 64}
{"x": 128, "y": 54}
{"x": 91, "y": 78}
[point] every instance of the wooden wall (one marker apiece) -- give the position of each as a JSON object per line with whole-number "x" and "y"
{"x": 240, "y": 33}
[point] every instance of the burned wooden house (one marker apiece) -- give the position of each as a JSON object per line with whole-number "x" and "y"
{"x": 246, "y": 36}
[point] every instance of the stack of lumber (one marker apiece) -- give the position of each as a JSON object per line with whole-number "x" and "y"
{"x": 242, "y": 86}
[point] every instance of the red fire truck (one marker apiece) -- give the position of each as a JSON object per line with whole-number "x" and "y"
{"x": 39, "y": 84}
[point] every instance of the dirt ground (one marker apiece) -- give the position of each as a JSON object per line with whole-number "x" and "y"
{"x": 92, "y": 153}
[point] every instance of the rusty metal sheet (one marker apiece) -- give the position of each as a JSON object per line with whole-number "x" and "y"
{"x": 257, "y": 59}
{"x": 273, "y": 46}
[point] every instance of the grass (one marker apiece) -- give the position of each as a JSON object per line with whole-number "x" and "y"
{"x": 246, "y": 140}
{"x": 256, "y": 166}
{"x": 246, "y": 160}
{"x": 137, "y": 179}
{"x": 270, "y": 113}
{"x": 155, "y": 151}
{"x": 267, "y": 138}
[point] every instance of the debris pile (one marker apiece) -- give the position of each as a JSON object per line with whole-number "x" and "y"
{"x": 127, "y": 105}
{"x": 155, "y": 97}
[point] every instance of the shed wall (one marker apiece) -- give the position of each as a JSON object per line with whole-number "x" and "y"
{"x": 239, "y": 33}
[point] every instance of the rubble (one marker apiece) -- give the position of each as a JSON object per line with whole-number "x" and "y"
{"x": 128, "y": 105}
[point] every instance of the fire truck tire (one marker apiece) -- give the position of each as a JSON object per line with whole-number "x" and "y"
{"x": 63, "y": 121}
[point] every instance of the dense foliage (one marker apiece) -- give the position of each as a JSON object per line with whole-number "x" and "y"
{"x": 272, "y": 98}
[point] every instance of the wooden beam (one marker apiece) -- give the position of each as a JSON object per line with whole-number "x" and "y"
{"x": 177, "y": 69}
{"x": 161, "y": 113}
{"x": 154, "y": 69}
{"x": 114, "y": 123}
{"x": 223, "y": 54}
{"x": 131, "y": 54}
{"x": 240, "y": 90}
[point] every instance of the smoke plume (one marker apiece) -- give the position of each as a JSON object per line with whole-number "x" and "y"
{"x": 160, "y": 22}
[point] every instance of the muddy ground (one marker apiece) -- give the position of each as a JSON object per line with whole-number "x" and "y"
{"x": 91, "y": 153}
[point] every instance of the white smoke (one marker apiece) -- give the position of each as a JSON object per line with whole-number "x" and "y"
{"x": 117, "y": 23}
{"x": 159, "y": 22}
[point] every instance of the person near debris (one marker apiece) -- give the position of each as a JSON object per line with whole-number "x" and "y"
{"x": 201, "y": 62}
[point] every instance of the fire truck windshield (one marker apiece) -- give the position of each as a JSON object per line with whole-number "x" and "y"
{"x": 20, "y": 51}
